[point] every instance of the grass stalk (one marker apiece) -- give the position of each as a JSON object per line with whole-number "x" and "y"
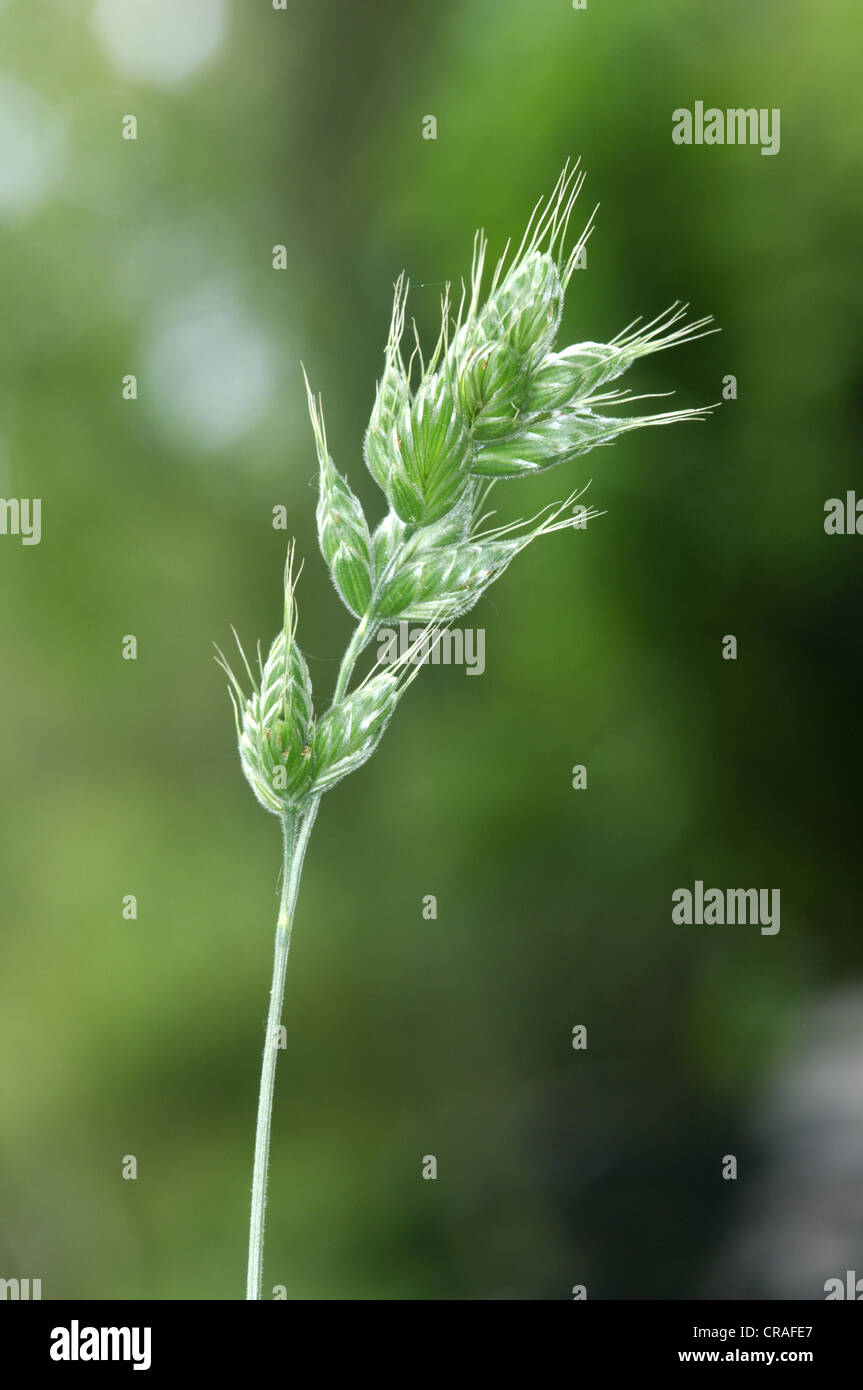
{"x": 296, "y": 832}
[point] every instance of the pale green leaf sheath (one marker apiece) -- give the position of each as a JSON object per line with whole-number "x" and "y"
{"x": 495, "y": 400}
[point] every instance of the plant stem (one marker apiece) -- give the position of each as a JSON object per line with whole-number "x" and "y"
{"x": 296, "y": 833}
{"x": 349, "y": 660}
{"x": 294, "y": 852}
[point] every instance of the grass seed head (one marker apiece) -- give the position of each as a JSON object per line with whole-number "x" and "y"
{"x": 493, "y": 401}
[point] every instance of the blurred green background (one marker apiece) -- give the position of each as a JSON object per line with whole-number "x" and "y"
{"x": 409, "y": 1037}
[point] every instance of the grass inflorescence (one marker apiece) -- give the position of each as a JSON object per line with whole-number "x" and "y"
{"x": 493, "y": 401}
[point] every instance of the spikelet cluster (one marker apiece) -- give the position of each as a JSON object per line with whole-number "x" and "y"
{"x": 494, "y": 401}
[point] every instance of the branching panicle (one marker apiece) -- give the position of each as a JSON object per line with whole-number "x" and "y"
{"x": 492, "y": 401}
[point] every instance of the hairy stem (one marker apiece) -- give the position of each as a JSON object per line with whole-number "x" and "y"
{"x": 296, "y": 834}
{"x": 352, "y": 652}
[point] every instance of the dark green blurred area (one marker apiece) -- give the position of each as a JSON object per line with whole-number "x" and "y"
{"x": 408, "y": 1037}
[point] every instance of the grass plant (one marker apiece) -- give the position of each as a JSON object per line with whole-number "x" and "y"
{"x": 493, "y": 401}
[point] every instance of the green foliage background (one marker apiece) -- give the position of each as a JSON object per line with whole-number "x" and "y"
{"x": 408, "y": 1037}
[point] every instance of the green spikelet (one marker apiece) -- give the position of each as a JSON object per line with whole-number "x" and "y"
{"x": 275, "y": 722}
